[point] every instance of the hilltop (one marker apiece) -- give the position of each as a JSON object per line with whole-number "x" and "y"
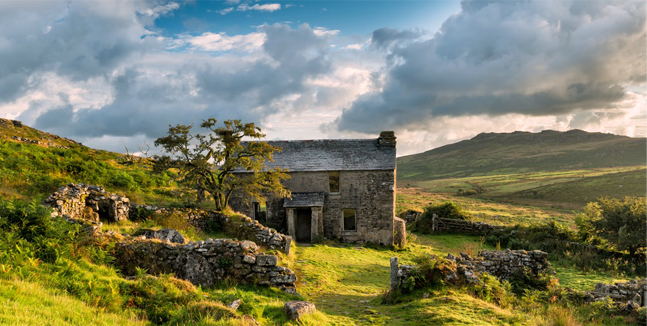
{"x": 522, "y": 152}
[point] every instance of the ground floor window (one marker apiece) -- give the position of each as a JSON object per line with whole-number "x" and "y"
{"x": 349, "y": 219}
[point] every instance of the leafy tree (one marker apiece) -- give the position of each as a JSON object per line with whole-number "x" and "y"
{"x": 206, "y": 162}
{"x": 622, "y": 223}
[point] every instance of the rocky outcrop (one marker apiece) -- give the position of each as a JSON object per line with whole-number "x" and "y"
{"x": 72, "y": 200}
{"x": 297, "y": 309}
{"x": 204, "y": 262}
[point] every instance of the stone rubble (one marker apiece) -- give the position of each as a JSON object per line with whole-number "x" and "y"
{"x": 629, "y": 295}
{"x": 71, "y": 201}
{"x": 169, "y": 235}
{"x": 501, "y": 264}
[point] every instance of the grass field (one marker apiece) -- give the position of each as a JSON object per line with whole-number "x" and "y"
{"x": 484, "y": 210}
{"x": 567, "y": 190}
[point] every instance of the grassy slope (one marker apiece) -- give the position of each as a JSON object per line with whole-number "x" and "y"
{"x": 31, "y": 303}
{"x": 548, "y": 169}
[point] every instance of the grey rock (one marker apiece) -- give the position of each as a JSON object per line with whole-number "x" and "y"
{"x": 297, "y": 309}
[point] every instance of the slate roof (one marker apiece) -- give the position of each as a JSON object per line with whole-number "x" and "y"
{"x": 332, "y": 155}
{"x": 305, "y": 199}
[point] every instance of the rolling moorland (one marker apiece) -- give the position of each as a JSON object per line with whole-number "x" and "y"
{"x": 563, "y": 170}
{"x": 345, "y": 281}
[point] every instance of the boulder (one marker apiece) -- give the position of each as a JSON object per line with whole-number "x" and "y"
{"x": 169, "y": 235}
{"x": 297, "y": 309}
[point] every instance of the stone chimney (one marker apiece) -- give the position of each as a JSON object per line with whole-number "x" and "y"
{"x": 386, "y": 139}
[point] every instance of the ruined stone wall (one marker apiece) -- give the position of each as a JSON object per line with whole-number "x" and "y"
{"x": 73, "y": 201}
{"x": 204, "y": 262}
{"x": 632, "y": 293}
{"x": 501, "y": 264}
{"x": 241, "y": 226}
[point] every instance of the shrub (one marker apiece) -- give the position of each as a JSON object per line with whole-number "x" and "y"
{"x": 622, "y": 224}
{"x": 490, "y": 289}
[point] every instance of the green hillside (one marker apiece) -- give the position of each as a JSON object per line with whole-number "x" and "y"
{"x": 523, "y": 152}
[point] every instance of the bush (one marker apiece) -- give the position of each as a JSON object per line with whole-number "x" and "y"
{"x": 622, "y": 224}
{"x": 490, "y": 289}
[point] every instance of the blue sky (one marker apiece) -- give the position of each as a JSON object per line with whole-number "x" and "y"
{"x": 349, "y": 17}
{"x": 115, "y": 73}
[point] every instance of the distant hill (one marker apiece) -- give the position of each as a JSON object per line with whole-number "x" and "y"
{"x": 522, "y": 152}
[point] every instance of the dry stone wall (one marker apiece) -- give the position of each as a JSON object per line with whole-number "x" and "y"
{"x": 204, "y": 262}
{"x": 501, "y": 264}
{"x": 240, "y": 226}
{"x": 630, "y": 293}
{"x": 72, "y": 200}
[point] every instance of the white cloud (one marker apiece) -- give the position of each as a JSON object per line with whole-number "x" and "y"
{"x": 225, "y": 11}
{"x": 222, "y": 42}
{"x": 322, "y": 31}
{"x": 266, "y": 7}
{"x": 160, "y": 10}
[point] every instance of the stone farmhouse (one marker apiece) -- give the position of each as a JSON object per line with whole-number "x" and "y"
{"x": 342, "y": 189}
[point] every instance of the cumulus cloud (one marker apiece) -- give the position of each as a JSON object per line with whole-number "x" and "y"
{"x": 78, "y": 40}
{"x": 209, "y": 41}
{"x": 160, "y": 89}
{"x": 265, "y": 7}
{"x": 535, "y": 58}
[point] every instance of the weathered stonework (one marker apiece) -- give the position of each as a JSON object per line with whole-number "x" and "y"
{"x": 72, "y": 200}
{"x": 630, "y": 293}
{"x": 204, "y": 262}
{"x": 241, "y": 226}
{"x": 501, "y": 264}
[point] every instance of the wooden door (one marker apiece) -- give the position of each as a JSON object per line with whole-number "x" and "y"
{"x": 304, "y": 224}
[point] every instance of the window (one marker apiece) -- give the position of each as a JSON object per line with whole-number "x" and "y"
{"x": 333, "y": 181}
{"x": 349, "y": 219}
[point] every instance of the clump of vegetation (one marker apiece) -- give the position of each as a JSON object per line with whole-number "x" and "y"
{"x": 618, "y": 224}
{"x": 565, "y": 245}
{"x": 444, "y": 210}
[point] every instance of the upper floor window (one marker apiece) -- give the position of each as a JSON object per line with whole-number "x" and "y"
{"x": 333, "y": 181}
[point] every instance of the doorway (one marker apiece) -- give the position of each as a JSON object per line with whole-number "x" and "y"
{"x": 304, "y": 224}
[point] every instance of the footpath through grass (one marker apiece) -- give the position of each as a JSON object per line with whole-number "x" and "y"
{"x": 346, "y": 282}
